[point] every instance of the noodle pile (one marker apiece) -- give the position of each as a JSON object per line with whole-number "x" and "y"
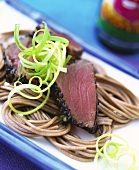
{"x": 116, "y": 101}
{"x": 117, "y": 107}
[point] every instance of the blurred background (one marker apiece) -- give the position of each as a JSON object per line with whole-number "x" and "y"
{"x": 79, "y": 17}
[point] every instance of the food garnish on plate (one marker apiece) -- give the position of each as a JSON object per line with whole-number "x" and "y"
{"x": 49, "y": 90}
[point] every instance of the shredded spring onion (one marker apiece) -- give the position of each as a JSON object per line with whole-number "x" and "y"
{"x": 115, "y": 155}
{"x": 43, "y": 61}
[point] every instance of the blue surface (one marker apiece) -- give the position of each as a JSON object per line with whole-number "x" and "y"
{"x": 80, "y": 17}
{"x": 29, "y": 150}
{"x": 74, "y": 19}
{"x": 74, "y": 15}
{"x": 9, "y": 159}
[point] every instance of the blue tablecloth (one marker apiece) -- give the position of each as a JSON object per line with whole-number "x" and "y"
{"x": 79, "y": 17}
{"x": 11, "y": 160}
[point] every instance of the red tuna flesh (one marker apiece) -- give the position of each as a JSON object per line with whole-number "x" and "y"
{"x": 79, "y": 92}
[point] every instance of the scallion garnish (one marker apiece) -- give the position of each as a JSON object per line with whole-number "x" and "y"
{"x": 43, "y": 61}
{"x": 116, "y": 155}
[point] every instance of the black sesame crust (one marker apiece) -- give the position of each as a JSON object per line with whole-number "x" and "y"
{"x": 58, "y": 97}
{"x": 10, "y": 71}
{"x": 74, "y": 49}
{"x": 30, "y": 34}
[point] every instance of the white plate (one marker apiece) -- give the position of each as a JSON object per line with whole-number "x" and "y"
{"x": 130, "y": 132}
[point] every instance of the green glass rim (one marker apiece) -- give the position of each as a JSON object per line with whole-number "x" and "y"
{"x": 117, "y": 33}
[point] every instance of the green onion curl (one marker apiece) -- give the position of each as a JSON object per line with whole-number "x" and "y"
{"x": 42, "y": 62}
{"x": 27, "y": 86}
{"x": 114, "y": 154}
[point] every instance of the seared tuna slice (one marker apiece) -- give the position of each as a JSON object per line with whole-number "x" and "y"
{"x": 74, "y": 49}
{"x": 75, "y": 93}
{"x": 12, "y": 62}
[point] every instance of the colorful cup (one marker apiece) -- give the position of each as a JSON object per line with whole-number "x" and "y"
{"x": 118, "y": 24}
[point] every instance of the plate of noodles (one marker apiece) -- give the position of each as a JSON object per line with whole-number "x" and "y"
{"x": 31, "y": 120}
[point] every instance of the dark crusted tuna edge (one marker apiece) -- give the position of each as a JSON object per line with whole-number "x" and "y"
{"x": 57, "y": 95}
{"x": 76, "y": 54}
{"x": 11, "y": 73}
